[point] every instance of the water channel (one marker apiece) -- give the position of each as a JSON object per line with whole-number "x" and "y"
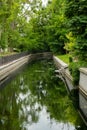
{"x": 36, "y": 100}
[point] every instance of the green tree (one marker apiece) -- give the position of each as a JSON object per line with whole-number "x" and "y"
{"x": 45, "y": 29}
{"x": 76, "y": 13}
{"x": 56, "y": 27}
{"x": 9, "y": 11}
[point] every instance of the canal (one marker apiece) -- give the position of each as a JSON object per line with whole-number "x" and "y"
{"x": 37, "y": 100}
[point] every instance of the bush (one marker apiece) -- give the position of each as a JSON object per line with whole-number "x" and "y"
{"x": 70, "y": 59}
{"x": 74, "y": 70}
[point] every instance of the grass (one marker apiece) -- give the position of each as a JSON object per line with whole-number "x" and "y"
{"x": 64, "y": 58}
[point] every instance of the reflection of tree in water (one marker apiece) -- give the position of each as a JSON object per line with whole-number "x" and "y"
{"x": 19, "y": 106}
{"x": 25, "y": 96}
{"x": 51, "y": 93}
{"x": 8, "y": 113}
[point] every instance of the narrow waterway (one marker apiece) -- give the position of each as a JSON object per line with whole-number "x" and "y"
{"x": 36, "y": 100}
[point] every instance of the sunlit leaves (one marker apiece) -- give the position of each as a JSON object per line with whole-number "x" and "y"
{"x": 69, "y": 46}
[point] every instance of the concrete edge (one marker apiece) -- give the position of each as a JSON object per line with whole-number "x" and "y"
{"x": 83, "y": 70}
{"x": 63, "y": 64}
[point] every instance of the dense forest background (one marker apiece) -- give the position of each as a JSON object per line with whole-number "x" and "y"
{"x": 59, "y": 26}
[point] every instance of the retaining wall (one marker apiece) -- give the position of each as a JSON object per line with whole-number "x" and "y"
{"x": 82, "y": 87}
{"x": 83, "y": 91}
{"x": 63, "y": 67}
{"x": 10, "y": 58}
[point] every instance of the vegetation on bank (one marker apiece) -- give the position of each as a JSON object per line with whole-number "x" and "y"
{"x": 73, "y": 66}
{"x": 74, "y": 70}
{"x": 64, "y": 58}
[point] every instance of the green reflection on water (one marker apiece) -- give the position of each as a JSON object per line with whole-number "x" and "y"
{"x": 36, "y": 87}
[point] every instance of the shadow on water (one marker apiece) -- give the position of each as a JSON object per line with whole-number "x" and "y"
{"x": 36, "y": 100}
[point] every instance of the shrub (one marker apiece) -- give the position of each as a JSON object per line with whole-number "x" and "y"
{"x": 70, "y": 59}
{"x": 74, "y": 70}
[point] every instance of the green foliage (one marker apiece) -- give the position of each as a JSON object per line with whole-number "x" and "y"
{"x": 31, "y": 26}
{"x": 70, "y": 45}
{"x": 76, "y": 13}
{"x": 56, "y": 27}
{"x": 70, "y": 59}
{"x": 74, "y": 70}
{"x": 38, "y": 39}
{"x": 8, "y": 23}
{"x": 59, "y": 26}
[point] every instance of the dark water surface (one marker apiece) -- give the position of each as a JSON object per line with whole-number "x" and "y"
{"x": 36, "y": 100}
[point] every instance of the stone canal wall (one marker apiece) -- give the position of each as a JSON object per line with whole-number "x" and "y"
{"x": 63, "y": 68}
{"x": 8, "y": 68}
{"x": 82, "y": 87}
{"x": 83, "y": 91}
